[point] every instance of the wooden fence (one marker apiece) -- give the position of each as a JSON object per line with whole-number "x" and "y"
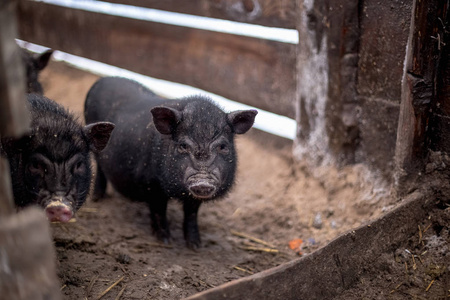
{"x": 252, "y": 71}
{"x": 349, "y": 82}
{"x": 28, "y": 268}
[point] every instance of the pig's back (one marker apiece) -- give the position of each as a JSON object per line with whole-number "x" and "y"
{"x": 111, "y": 98}
{"x": 128, "y": 156}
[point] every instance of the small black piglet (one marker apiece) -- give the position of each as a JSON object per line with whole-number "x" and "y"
{"x": 164, "y": 149}
{"x": 50, "y": 166}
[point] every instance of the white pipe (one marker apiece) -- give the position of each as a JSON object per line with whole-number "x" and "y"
{"x": 160, "y": 16}
{"x": 265, "y": 121}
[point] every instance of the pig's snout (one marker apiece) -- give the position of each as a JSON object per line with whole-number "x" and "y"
{"x": 202, "y": 186}
{"x": 57, "y": 211}
{"x": 202, "y": 190}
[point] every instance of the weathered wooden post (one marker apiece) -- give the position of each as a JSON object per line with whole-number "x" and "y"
{"x": 425, "y": 109}
{"x": 27, "y": 257}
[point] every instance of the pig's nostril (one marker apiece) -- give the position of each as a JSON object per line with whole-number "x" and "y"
{"x": 202, "y": 191}
{"x": 58, "y": 213}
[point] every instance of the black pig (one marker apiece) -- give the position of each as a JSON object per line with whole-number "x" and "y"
{"x": 163, "y": 149}
{"x": 33, "y": 65}
{"x": 50, "y": 166}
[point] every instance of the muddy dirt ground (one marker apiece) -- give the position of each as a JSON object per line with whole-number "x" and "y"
{"x": 275, "y": 199}
{"x": 418, "y": 268}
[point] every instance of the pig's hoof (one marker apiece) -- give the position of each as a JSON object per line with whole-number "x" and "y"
{"x": 163, "y": 236}
{"x": 165, "y": 240}
{"x": 193, "y": 243}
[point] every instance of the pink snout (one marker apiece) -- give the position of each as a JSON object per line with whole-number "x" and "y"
{"x": 58, "y": 213}
{"x": 202, "y": 190}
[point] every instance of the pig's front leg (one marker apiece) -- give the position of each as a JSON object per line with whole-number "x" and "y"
{"x": 158, "y": 209}
{"x": 190, "y": 226}
{"x": 99, "y": 185}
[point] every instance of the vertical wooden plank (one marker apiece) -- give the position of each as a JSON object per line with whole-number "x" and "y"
{"x": 13, "y": 113}
{"x": 28, "y": 268}
{"x": 27, "y": 257}
{"x": 419, "y": 91}
{"x": 327, "y": 66}
{"x": 384, "y": 35}
{"x": 6, "y": 197}
{"x": 440, "y": 132}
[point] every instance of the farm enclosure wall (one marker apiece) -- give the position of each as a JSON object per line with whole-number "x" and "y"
{"x": 342, "y": 82}
{"x": 352, "y": 52}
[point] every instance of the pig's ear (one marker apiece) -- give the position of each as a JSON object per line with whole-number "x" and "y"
{"x": 242, "y": 120}
{"x": 98, "y": 135}
{"x": 165, "y": 119}
{"x": 42, "y": 60}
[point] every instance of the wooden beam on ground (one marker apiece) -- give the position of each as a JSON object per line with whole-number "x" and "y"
{"x": 336, "y": 267}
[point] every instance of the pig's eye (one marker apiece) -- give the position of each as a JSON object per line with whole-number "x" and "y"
{"x": 78, "y": 167}
{"x": 223, "y": 148}
{"x": 37, "y": 168}
{"x": 183, "y": 148}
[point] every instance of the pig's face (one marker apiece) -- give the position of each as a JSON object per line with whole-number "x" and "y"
{"x": 201, "y": 162}
{"x": 60, "y": 187}
{"x": 204, "y": 168}
{"x": 57, "y": 171}
{"x": 50, "y": 166}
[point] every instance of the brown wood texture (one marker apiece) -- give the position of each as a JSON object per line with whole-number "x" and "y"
{"x": 329, "y": 35}
{"x": 272, "y": 13}
{"x": 28, "y": 268}
{"x": 6, "y": 197}
{"x": 420, "y": 91}
{"x": 14, "y": 119}
{"x": 440, "y": 135}
{"x": 248, "y": 70}
{"x": 13, "y": 113}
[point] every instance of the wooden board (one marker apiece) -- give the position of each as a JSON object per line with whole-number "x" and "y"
{"x": 28, "y": 268}
{"x": 14, "y": 117}
{"x": 248, "y": 70}
{"x": 272, "y": 13}
{"x": 327, "y": 272}
{"x": 423, "y": 121}
{"x": 13, "y": 112}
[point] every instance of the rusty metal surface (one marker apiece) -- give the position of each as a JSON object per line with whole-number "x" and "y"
{"x": 248, "y": 70}
{"x": 272, "y": 13}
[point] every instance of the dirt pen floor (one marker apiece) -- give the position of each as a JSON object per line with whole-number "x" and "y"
{"x": 274, "y": 199}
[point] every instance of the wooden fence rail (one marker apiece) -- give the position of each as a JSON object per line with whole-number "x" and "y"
{"x": 249, "y": 70}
